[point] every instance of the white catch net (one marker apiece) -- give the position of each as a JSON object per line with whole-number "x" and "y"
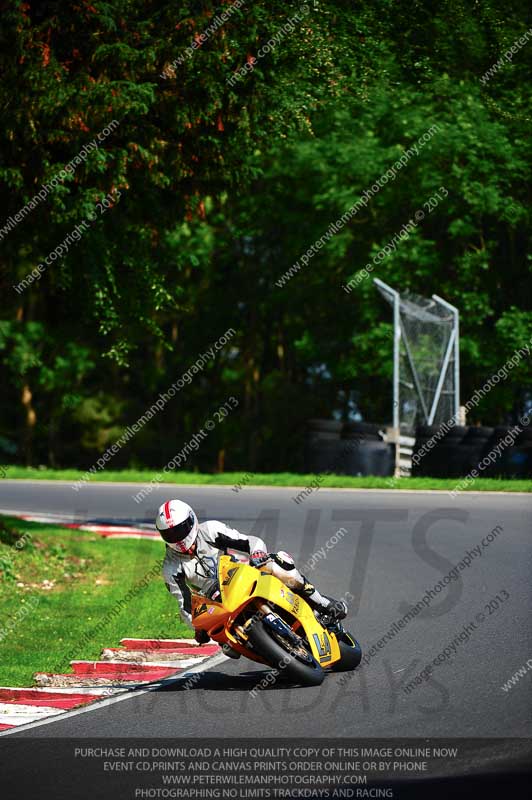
{"x": 426, "y": 361}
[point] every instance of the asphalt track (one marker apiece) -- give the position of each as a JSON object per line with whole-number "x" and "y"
{"x": 396, "y": 546}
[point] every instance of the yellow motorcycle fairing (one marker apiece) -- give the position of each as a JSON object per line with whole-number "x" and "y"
{"x": 240, "y": 585}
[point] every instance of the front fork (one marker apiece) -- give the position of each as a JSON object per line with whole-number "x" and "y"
{"x": 243, "y": 630}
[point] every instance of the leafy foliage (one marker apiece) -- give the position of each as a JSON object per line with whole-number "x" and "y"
{"x": 223, "y": 188}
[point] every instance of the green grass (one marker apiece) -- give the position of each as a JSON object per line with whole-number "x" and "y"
{"x": 90, "y": 575}
{"x": 270, "y": 479}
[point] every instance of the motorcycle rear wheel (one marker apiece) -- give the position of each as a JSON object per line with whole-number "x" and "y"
{"x": 289, "y": 665}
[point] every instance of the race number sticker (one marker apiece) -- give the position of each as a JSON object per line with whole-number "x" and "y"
{"x": 324, "y": 648}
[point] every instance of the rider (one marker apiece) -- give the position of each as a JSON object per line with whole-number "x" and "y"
{"x": 191, "y": 561}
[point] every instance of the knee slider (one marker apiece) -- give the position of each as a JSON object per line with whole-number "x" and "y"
{"x": 308, "y": 588}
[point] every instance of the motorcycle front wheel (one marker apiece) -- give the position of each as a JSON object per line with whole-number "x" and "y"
{"x": 350, "y": 653}
{"x": 293, "y": 663}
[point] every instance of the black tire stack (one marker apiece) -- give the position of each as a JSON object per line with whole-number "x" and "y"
{"x": 475, "y": 445}
{"x": 445, "y": 459}
{"x": 323, "y": 446}
{"x": 515, "y": 461}
{"x": 522, "y": 462}
{"x": 355, "y": 448}
{"x": 367, "y": 454}
{"x": 460, "y": 451}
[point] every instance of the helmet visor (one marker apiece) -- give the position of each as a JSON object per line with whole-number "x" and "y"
{"x": 179, "y": 532}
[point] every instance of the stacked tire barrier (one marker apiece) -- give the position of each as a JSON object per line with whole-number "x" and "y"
{"x": 323, "y": 446}
{"x": 355, "y": 448}
{"x": 516, "y": 461}
{"x": 445, "y": 459}
{"x": 493, "y": 452}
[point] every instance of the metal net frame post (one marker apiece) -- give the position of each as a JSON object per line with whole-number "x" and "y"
{"x": 426, "y": 366}
{"x": 394, "y": 298}
{"x": 455, "y": 338}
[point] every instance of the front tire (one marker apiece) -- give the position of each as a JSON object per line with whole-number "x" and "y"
{"x": 308, "y": 673}
{"x": 350, "y": 653}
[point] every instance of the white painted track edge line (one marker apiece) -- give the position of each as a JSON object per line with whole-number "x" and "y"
{"x": 171, "y": 663}
{"x": 182, "y": 641}
{"x": 88, "y": 690}
{"x": 128, "y": 694}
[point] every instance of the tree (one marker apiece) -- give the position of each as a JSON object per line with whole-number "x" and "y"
{"x": 215, "y": 186}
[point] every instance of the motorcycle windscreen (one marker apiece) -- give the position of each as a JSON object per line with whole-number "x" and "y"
{"x": 237, "y": 582}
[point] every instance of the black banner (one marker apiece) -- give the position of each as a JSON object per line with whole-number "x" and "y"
{"x": 273, "y": 769}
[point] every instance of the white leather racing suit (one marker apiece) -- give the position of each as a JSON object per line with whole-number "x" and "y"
{"x": 199, "y": 572}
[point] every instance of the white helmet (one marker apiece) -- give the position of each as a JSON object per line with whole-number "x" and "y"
{"x": 178, "y": 525}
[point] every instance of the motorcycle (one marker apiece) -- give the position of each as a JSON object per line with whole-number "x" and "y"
{"x": 257, "y": 616}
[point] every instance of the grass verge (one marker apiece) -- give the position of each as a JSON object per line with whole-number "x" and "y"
{"x": 61, "y": 593}
{"x": 244, "y": 479}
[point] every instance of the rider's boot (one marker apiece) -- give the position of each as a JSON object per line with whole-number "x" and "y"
{"x": 335, "y": 610}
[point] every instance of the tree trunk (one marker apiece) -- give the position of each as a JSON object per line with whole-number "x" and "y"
{"x": 52, "y": 435}
{"x": 30, "y": 420}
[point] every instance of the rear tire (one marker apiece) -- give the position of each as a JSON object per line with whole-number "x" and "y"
{"x": 350, "y": 653}
{"x": 306, "y": 674}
